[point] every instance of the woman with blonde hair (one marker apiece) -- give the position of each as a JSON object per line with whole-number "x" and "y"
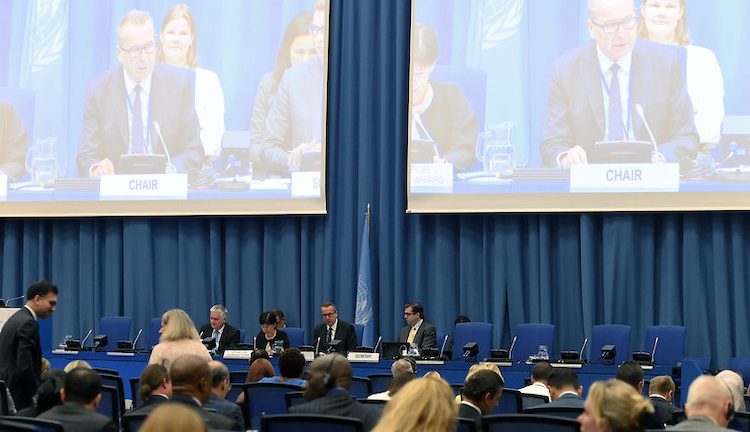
{"x": 173, "y": 417}
{"x": 410, "y": 410}
{"x": 614, "y": 406}
{"x": 178, "y": 337}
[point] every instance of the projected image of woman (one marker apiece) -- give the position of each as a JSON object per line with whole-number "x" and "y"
{"x": 665, "y": 21}
{"x": 178, "y": 40}
{"x": 297, "y": 46}
{"x": 440, "y": 113}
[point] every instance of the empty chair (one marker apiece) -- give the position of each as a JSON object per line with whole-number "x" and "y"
{"x": 243, "y": 332}
{"x": 294, "y": 398}
{"x": 532, "y": 400}
{"x": 610, "y": 334}
{"x": 360, "y": 387}
{"x": 39, "y": 425}
{"x": 310, "y": 423}
{"x": 528, "y": 423}
{"x": 530, "y": 337}
{"x": 265, "y": 398}
{"x": 359, "y": 329}
{"x": 135, "y": 392}
{"x": 478, "y": 332}
{"x": 131, "y": 422}
{"x": 671, "y": 347}
{"x": 109, "y": 404}
{"x": 510, "y": 402}
{"x": 154, "y": 331}
{"x": 296, "y": 335}
{"x": 8, "y": 425}
{"x": 116, "y": 328}
{"x": 115, "y": 381}
{"x": 379, "y": 382}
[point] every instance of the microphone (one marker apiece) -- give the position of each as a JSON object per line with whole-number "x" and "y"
{"x": 656, "y": 156}
{"x": 317, "y": 345}
{"x": 442, "y": 348}
{"x": 136, "y": 337}
{"x": 170, "y": 169}
{"x": 254, "y": 345}
{"x": 4, "y": 303}
{"x": 512, "y": 345}
{"x": 83, "y": 342}
{"x": 585, "y": 340}
{"x": 201, "y": 335}
{"x": 653, "y": 351}
{"x": 375, "y": 348}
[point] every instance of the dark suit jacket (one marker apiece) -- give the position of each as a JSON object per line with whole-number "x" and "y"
{"x": 566, "y": 400}
{"x": 230, "y": 337}
{"x": 426, "y": 336}
{"x": 21, "y": 357}
{"x": 262, "y": 342}
{"x": 344, "y": 332}
{"x": 13, "y": 140}
{"x": 75, "y": 417}
{"x": 172, "y": 103}
{"x": 699, "y": 423}
{"x": 338, "y": 403}
{"x": 149, "y": 405}
{"x": 663, "y": 409}
{"x": 469, "y": 412}
{"x": 575, "y": 107}
{"x": 214, "y": 420}
{"x": 226, "y": 408}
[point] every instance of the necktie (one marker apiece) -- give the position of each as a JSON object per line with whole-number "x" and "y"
{"x": 216, "y": 336}
{"x": 330, "y": 335}
{"x": 616, "y": 130}
{"x": 138, "y": 144}
{"x": 412, "y": 333}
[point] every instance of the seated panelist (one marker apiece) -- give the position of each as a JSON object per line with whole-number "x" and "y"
{"x": 225, "y": 335}
{"x": 269, "y": 334}
{"x": 417, "y": 331}
{"x": 333, "y": 329}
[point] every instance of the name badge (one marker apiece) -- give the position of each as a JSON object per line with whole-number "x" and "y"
{"x": 650, "y": 177}
{"x": 238, "y": 354}
{"x": 431, "y": 177}
{"x": 3, "y": 187}
{"x": 143, "y": 187}
{"x": 358, "y": 357}
{"x": 306, "y": 184}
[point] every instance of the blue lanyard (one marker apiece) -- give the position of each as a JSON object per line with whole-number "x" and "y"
{"x": 626, "y": 126}
{"x": 147, "y": 138}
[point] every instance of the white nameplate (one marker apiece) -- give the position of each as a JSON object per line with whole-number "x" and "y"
{"x": 143, "y": 187}
{"x": 436, "y": 177}
{"x": 566, "y": 365}
{"x": 3, "y": 187}
{"x": 360, "y": 357}
{"x": 663, "y": 177}
{"x": 647, "y": 367}
{"x": 120, "y": 354}
{"x": 64, "y": 352}
{"x": 502, "y": 363}
{"x": 308, "y": 355}
{"x": 238, "y": 354}
{"x": 431, "y": 362}
{"x": 306, "y": 184}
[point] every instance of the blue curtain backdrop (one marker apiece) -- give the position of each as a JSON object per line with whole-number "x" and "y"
{"x": 572, "y": 270}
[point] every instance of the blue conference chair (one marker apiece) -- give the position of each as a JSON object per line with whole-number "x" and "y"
{"x": 243, "y": 332}
{"x": 360, "y": 387}
{"x": 310, "y": 423}
{"x": 135, "y": 392}
{"x": 532, "y": 400}
{"x": 610, "y": 334}
{"x": 116, "y": 328}
{"x": 671, "y": 347}
{"x": 440, "y": 338}
{"x": 510, "y": 402}
{"x": 109, "y": 404}
{"x": 37, "y": 425}
{"x": 360, "y": 330}
{"x": 265, "y": 399}
{"x": 528, "y": 423}
{"x": 478, "y": 332}
{"x": 23, "y": 101}
{"x": 529, "y": 337}
{"x": 466, "y": 425}
{"x": 154, "y": 331}
{"x": 296, "y": 335}
{"x": 553, "y": 411}
{"x": 294, "y": 398}
{"x": 379, "y": 382}
{"x": 131, "y": 422}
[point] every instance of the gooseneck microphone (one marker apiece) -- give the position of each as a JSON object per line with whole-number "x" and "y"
{"x": 377, "y": 344}
{"x": 512, "y": 345}
{"x": 442, "y": 348}
{"x": 317, "y": 345}
{"x": 170, "y": 169}
{"x": 83, "y": 342}
{"x": 655, "y": 156}
{"x": 136, "y": 337}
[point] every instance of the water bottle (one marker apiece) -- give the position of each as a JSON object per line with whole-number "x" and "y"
{"x": 543, "y": 353}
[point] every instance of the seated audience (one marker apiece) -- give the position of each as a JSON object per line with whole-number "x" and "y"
{"x": 481, "y": 395}
{"x": 259, "y": 369}
{"x": 708, "y": 407}
{"x": 735, "y": 383}
{"x": 220, "y": 386}
{"x": 156, "y": 388}
{"x": 173, "y": 417}
{"x": 224, "y": 334}
{"x": 411, "y": 411}
{"x": 614, "y": 406}
{"x": 476, "y": 368}
{"x": 178, "y": 337}
{"x": 48, "y": 395}
{"x": 417, "y": 331}
{"x": 661, "y": 392}
{"x": 400, "y": 367}
{"x": 269, "y": 335}
{"x": 80, "y": 396}
{"x": 539, "y": 379}
{"x": 631, "y": 373}
{"x": 565, "y": 391}
{"x": 327, "y": 392}
{"x": 45, "y": 365}
{"x": 76, "y": 364}
{"x": 291, "y": 366}
{"x": 396, "y": 384}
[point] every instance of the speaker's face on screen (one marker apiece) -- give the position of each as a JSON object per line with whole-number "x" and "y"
{"x": 302, "y": 49}
{"x": 613, "y": 26}
{"x": 176, "y": 39}
{"x": 661, "y": 18}
{"x": 137, "y": 50}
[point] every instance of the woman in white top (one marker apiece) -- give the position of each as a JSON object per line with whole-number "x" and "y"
{"x": 665, "y": 21}
{"x": 177, "y": 48}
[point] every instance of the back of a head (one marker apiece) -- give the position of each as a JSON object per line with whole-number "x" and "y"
{"x": 82, "y": 386}
{"x": 76, "y": 364}
{"x": 339, "y": 368}
{"x": 424, "y": 46}
{"x": 260, "y": 368}
{"x": 422, "y": 405}
{"x": 542, "y": 371}
{"x": 151, "y": 378}
{"x": 707, "y": 396}
{"x": 618, "y": 405}
{"x": 402, "y": 366}
{"x": 481, "y": 383}
{"x": 48, "y": 394}
{"x": 187, "y": 371}
{"x": 219, "y": 373}
{"x": 173, "y": 417}
{"x": 483, "y": 366}
{"x": 177, "y": 326}
{"x": 735, "y": 383}
{"x": 631, "y": 373}
{"x": 564, "y": 379}
{"x": 258, "y": 353}
{"x": 291, "y": 363}
{"x": 662, "y": 385}
{"x": 398, "y": 382}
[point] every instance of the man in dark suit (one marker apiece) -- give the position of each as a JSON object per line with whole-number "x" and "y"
{"x": 565, "y": 391}
{"x": 481, "y": 395}
{"x": 191, "y": 386}
{"x": 585, "y": 107}
{"x": 334, "y": 329}
{"x": 418, "y": 331}
{"x": 709, "y": 406}
{"x": 156, "y": 388}
{"x": 327, "y": 392}
{"x": 13, "y": 141}
{"x": 228, "y": 337}
{"x": 123, "y": 106}
{"x": 632, "y": 373}
{"x": 220, "y": 386}
{"x": 81, "y": 396}
{"x": 21, "y": 352}
{"x": 661, "y": 391}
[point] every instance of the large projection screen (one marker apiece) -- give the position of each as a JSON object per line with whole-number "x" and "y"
{"x": 217, "y": 108}
{"x": 513, "y": 106}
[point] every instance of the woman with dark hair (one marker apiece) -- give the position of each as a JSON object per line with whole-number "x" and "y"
{"x": 156, "y": 387}
{"x": 269, "y": 335}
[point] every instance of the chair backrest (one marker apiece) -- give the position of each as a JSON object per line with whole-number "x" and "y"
{"x": 116, "y": 328}
{"x": 132, "y": 422}
{"x": 473, "y": 84}
{"x": 677, "y": 417}
{"x": 553, "y": 411}
{"x": 4, "y": 406}
{"x": 23, "y": 101}
{"x": 294, "y": 398}
{"x": 457, "y": 389}
{"x": 109, "y": 405}
{"x": 379, "y": 382}
{"x": 359, "y": 329}
{"x": 532, "y": 400}
{"x": 39, "y": 425}
{"x": 153, "y": 331}
{"x": 135, "y": 392}
{"x": 296, "y": 336}
{"x": 237, "y": 377}
{"x": 610, "y": 334}
{"x": 265, "y": 399}
{"x": 530, "y": 336}
{"x": 478, "y": 332}
{"x": 310, "y": 423}
{"x": 528, "y": 423}
{"x": 114, "y": 372}
{"x": 234, "y": 392}
{"x": 510, "y": 402}
{"x": 243, "y": 333}
{"x": 466, "y": 425}
{"x": 740, "y": 421}
{"x": 360, "y": 388}
{"x": 440, "y": 338}
{"x": 671, "y": 347}
{"x": 9, "y": 425}
{"x": 115, "y": 381}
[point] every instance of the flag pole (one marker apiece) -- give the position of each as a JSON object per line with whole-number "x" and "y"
{"x": 368, "y": 213}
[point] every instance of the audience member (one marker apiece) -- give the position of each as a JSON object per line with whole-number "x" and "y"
{"x": 220, "y": 386}
{"x": 48, "y": 395}
{"x": 476, "y": 368}
{"x": 411, "y": 410}
{"x": 631, "y": 373}
{"x": 417, "y": 331}
{"x": 13, "y": 142}
{"x": 661, "y": 390}
{"x": 224, "y": 335}
{"x": 291, "y": 366}
{"x": 333, "y": 329}
{"x": 396, "y": 384}
{"x": 156, "y": 388}
{"x": 709, "y": 406}
{"x": 539, "y": 379}
{"x": 174, "y": 417}
{"x": 404, "y": 366}
{"x": 45, "y": 365}
{"x": 614, "y": 406}
{"x": 76, "y": 364}
{"x": 481, "y": 395}
{"x": 269, "y": 335}
{"x": 80, "y": 396}
{"x": 178, "y": 337}
{"x": 735, "y": 383}
{"x": 280, "y": 321}
{"x": 259, "y": 369}
{"x": 564, "y": 389}
{"x": 327, "y": 392}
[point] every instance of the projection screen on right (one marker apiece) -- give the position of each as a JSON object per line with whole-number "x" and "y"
{"x": 588, "y": 105}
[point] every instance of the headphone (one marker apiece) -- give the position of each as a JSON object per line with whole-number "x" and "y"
{"x": 729, "y": 415}
{"x": 413, "y": 364}
{"x": 328, "y": 381}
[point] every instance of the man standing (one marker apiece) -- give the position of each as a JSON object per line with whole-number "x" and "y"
{"x": 123, "y": 107}
{"x": 481, "y": 394}
{"x": 225, "y": 335}
{"x": 594, "y": 92}
{"x": 20, "y": 347}
{"x": 81, "y": 396}
{"x": 418, "y": 331}
{"x": 334, "y": 329}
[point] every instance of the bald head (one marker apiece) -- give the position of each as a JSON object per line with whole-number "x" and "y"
{"x": 710, "y": 397}
{"x": 192, "y": 376}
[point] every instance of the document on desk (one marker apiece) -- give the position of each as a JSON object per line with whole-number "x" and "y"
{"x": 647, "y": 177}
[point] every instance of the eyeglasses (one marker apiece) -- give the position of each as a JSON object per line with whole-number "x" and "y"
{"x": 406, "y": 314}
{"x": 328, "y": 315}
{"x": 306, "y": 51}
{"x": 610, "y": 27}
{"x": 139, "y": 51}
